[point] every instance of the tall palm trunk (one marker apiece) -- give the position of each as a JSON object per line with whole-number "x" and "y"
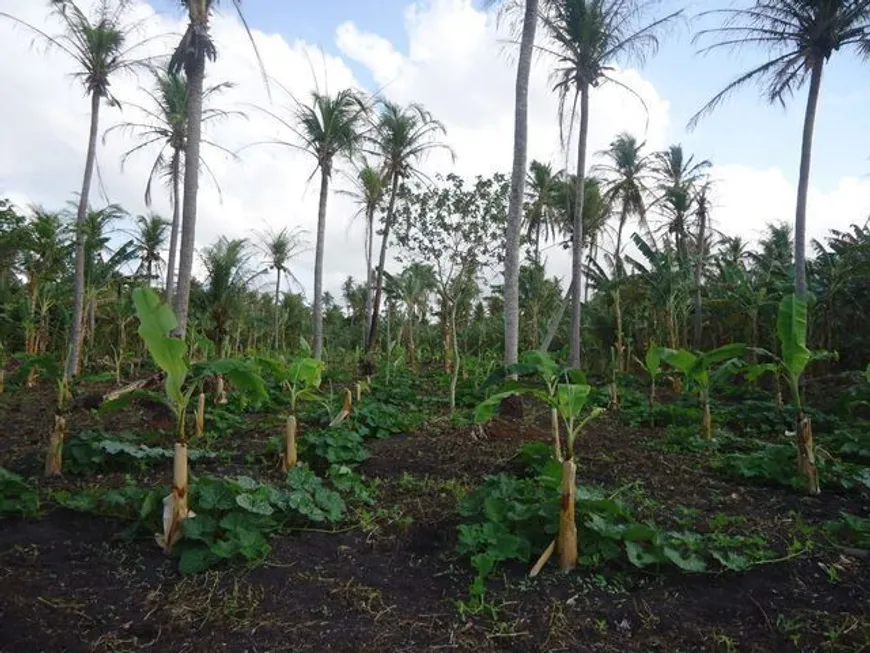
{"x": 195, "y": 79}
{"x": 518, "y": 177}
{"x": 75, "y": 337}
{"x": 699, "y": 265}
{"x": 800, "y": 220}
{"x": 277, "y": 335}
{"x": 382, "y": 261}
{"x": 577, "y": 244}
{"x": 317, "y": 317}
{"x": 370, "y": 235}
{"x": 617, "y": 295}
{"x": 176, "y": 220}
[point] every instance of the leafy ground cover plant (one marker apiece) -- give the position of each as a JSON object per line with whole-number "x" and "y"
{"x": 508, "y": 517}
{"x": 17, "y": 498}
{"x": 89, "y": 452}
{"x": 235, "y": 517}
{"x": 775, "y": 463}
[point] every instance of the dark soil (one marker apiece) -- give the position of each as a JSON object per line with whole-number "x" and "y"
{"x": 389, "y": 580}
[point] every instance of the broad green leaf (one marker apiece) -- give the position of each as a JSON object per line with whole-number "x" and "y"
{"x": 753, "y": 372}
{"x": 791, "y": 327}
{"x": 305, "y": 372}
{"x": 640, "y": 556}
{"x": 156, "y": 320}
{"x": 571, "y": 399}
{"x": 255, "y": 503}
{"x": 721, "y": 354}
{"x": 653, "y": 360}
{"x": 575, "y": 376}
{"x": 486, "y": 410}
{"x": 867, "y": 373}
{"x": 196, "y": 558}
{"x": 680, "y": 359}
{"x": 688, "y": 562}
{"x": 200, "y": 527}
{"x": 542, "y": 362}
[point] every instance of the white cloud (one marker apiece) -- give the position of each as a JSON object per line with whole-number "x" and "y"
{"x": 459, "y": 64}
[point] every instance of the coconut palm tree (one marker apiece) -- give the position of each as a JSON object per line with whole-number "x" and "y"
{"x": 149, "y": 239}
{"x": 588, "y": 37}
{"x": 44, "y": 247}
{"x": 228, "y": 266}
{"x": 279, "y": 248}
{"x": 369, "y": 186}
{"x": 678, "y": 179}
{"x": 164, "y": 126}
{"x": 328, "y": 127}
{"x": 403, "y": 136}
{"x": 518, "y": 179}
{"x": 800, "y": 37}
{"x": 99, "y": 46}
{"x": 624, "y": 172}
{"x": 196, "y": 47}
{"x": 541, "y": 217}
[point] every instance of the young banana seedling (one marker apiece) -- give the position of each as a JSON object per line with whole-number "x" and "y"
{"x": 704, "y": 370}
{"x": 567, "y": 394}
{"x": 791, "y": 329}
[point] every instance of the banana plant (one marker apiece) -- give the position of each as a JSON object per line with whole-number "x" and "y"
{"x": 652, "y": 363}
{"x": 156, "y": 322}
{"x": 791, "y": 330}
{"x": 567, "y": 394}
{"x": 701, "y": 369}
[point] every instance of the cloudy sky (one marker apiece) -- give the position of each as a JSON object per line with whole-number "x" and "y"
{"x": 457, "y": 60}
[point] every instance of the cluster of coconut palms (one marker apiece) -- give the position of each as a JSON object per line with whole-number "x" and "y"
{"x": 585, "y": 40}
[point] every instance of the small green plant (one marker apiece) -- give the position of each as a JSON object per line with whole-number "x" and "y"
{"x": 16, "y": 496}
{"x": 704, "y": 370}
{"x": 652, "y": 363}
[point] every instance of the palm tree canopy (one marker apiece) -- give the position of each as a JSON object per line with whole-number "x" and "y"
{"x": 590, "y": 36}
{"x": 97, "y": 44}
{"x": 164, "y": 125}
{"x": 542, "y": 183}
{"x": 797, "y": 34}
{"x": 624, "y": 172}
{"x": 404, "y": 135}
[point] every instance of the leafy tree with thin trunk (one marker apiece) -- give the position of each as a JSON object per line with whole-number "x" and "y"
{"x": 196, "y": 47}
{"x": 800, "y": 37}
{"x": 588, "y": 37}
{"x": 99, "y": 46}
{"x": 403, "y": 136}
{"x": 456, "y": 227}
{"x": 279, "y": 248}
{"x": 328, "y": 127}
{"x": 163, "y": 125}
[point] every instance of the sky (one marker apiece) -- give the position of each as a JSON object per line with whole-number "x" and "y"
{"x": 459, "y": 61}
